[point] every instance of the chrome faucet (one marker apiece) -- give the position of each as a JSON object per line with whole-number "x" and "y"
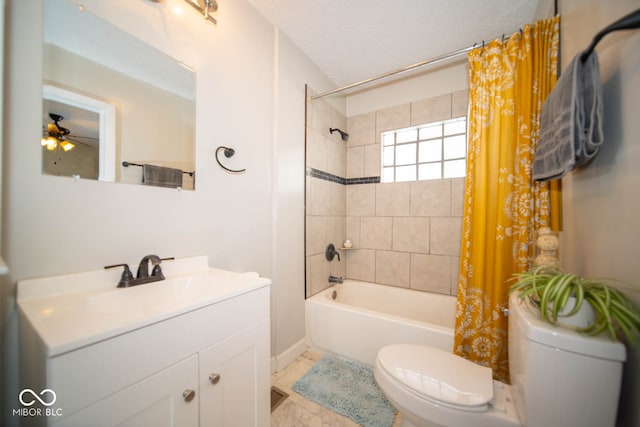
{"x": 334, "y": 279}
{"x": 142, "y": 276}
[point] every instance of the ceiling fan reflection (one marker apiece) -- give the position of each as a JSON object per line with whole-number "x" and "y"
{"x": 58, "y": 136}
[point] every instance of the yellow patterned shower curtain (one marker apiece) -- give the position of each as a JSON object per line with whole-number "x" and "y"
{"x": 509, "y": 81}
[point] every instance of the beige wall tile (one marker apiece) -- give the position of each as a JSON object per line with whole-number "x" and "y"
{"x": 457, "y": 196}
{"x": 353, "y": 230}
{"x": 392, "y": 118}
{"x": 361, "y": 264}
{"x": 372, "y": 160}
{"x": 319, "y": 116}
{"x": 335, "y": 231}
{"x": 411, "y": 234}
{"x": 316, "y": 231}
{"x": 336, "y": 158}
{"x": 405, "y": 234}
{"x": 445, "y": 235}
{"x": 320, "y": 197}
{"x": 392, "y": 268}
{"x": 375, "y": 232}
{"x": 316, "y": 150}
{"x": 431, "y": 198}
{"x": 361, "y": 200}
{"x": 338, "y": 268}
{"x": 362, "y": 129}
{"x": 338, "y": 120}
{"x": 431, "y": 273}
{"x": 317, "y": 273}
{"x": 393, "y": 199}
{"x": 337, "y": 202}
{"x": 431, "y": 110}
{"x": 355, "y": 162}
{"x": 455, "y": 275}
{"x": 460, "y": 103}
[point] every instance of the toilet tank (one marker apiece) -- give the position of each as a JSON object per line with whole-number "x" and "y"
{"x": 560, "y": 377}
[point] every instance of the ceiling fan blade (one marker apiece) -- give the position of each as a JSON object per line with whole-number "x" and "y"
{"x": 79, "y": 140}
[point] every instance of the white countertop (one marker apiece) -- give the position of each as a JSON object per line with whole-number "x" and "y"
{"x": 76, "y": 310}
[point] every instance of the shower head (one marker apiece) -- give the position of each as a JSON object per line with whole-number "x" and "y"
{"x": 344, "y": 135}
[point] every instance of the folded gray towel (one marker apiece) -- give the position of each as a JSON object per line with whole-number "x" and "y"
{"x": 571, "y": 122}
{"x": 161, "y": 176}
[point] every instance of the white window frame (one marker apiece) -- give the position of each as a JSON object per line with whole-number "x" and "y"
{"x": 392, "y": 147}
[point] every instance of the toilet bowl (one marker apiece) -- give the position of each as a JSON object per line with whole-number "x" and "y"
{"x": 559, "y": 378}
{"x": 432, "y": 388}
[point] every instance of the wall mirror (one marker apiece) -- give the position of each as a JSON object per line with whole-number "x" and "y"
{"x": 113, "y": 104}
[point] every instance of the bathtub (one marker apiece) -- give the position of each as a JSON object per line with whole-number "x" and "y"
{"x": 365, "y": 317}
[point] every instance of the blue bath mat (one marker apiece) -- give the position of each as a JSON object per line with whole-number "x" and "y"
{"x": 349, "y": 389}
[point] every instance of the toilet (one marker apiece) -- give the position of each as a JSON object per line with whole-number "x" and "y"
{"x": 558, "y": 378}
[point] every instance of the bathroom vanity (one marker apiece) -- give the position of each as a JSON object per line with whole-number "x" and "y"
{"x": 190, "y": 350}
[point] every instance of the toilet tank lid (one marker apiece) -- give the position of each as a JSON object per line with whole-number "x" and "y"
{"x": 437, "y": 374}
{"x": 541, "y": 332}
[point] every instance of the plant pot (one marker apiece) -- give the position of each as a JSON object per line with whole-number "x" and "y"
{"x": 583, "y": 318}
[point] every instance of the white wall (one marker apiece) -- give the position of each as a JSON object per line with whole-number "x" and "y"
{"x": 293, "y": 71}
{"x": 428, "y": 82}
{"x": 601, "y": 202}
{"x": 250, "y": 96}
{"x": 228, "y": 219}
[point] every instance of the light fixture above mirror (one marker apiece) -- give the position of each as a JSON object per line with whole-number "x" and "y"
{"x": 207, "y": 7}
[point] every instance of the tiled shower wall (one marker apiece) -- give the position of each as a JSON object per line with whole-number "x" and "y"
{"x": 408, "y": 233}
{"x": 325, "y": 193}
{"x": 404, "y": 234}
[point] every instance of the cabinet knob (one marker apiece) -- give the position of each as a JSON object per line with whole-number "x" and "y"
{"x": 188, "y": 395}
{"x": 214, "y": 378}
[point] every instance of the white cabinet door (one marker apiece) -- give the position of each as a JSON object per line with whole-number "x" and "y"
{"x": 235, "y": 381}
{"x": 155, "y": 401}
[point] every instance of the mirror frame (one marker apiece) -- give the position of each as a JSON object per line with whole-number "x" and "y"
{"x": 107, "y": 125}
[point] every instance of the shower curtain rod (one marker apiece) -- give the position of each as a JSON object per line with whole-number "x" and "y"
{"x": 398, "y": 71}
{"x": 627, "y": 22}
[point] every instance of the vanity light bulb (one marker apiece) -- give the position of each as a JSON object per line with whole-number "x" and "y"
{"x": 178, "y": 11}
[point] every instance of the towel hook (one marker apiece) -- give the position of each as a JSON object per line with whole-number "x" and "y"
{"x": 228, "y": 152}
{"x": 627, "y": 22}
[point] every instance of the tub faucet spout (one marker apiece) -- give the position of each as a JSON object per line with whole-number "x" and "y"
{"x": 334, "y": 279}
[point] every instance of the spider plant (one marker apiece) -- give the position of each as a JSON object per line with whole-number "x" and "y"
{"x": 550, "y": 291}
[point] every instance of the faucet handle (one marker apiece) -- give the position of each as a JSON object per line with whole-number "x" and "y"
{"x": 157, "y": 270}
{"x": 126, "y": 276}
{"x": 331, "y": 252}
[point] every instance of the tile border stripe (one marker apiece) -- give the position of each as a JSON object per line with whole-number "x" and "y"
{"x": 316, "y": 173}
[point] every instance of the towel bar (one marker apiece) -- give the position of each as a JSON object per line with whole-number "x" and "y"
{"x": 127, "y": 164}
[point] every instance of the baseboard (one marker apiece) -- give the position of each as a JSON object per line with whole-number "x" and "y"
{"x": 280, "y": 361}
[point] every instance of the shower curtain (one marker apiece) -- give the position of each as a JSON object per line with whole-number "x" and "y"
{"x": 509, "y": 81}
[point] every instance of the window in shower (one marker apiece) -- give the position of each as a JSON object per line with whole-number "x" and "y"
{"x": 431, "y": 151}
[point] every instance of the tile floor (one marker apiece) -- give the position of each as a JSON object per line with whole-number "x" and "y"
{"x": 296, "y": 411}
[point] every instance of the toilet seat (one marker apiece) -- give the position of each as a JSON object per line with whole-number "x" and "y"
{"x": 439, "y": 377}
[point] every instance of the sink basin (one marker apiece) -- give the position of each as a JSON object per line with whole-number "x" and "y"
{"x": 79, "y": 309}
{"x": 151, "y": 297}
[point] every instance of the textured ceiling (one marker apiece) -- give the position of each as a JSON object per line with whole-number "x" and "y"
{"x": 351, "y": 40}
